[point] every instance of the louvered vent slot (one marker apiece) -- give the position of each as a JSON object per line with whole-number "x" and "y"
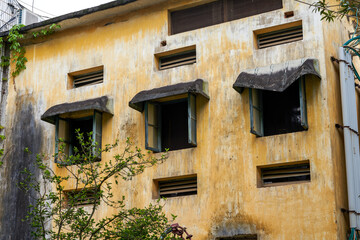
{"x": 178, "y": 187}
{"x": 285, "y": 174}
{"x": 179, "y": 59}
{"x": 280, "y": 37}
{"x": 240, "y": 237}
{"x": 82, "y": 197}
{"x": 88, "y": 79}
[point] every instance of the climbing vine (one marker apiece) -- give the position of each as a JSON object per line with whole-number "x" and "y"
{"x": 17, "y": 57}
{"x": 18, "y": 51}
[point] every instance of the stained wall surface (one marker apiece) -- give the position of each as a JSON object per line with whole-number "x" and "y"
{"x": 225, "y": 160}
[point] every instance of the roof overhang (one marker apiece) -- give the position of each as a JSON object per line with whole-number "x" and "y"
{"x": 93, "y": 14}
{"x": 277, "y": 77}
{"x": 199, "y": 87}
{"x": 101, "y": 104}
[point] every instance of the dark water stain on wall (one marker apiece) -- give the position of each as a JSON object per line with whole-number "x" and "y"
{"x": 25, "y": 133}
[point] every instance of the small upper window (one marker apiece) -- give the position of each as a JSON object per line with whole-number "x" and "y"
{"x": 177, "y": 59}
{"x": 177, "y": 187}
{"x": 86, "y": 77}
{"x": 80, "y": 197}
{"x": 275, "y": 113}
{"x": 171, "y": 124}
{"x": 287, "y": 33}
{"x": 218, "y": 12}
{"x": 240, "y": 237}
{"x": 296, "y": 172}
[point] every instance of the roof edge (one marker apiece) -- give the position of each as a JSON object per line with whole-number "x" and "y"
{"x": 71, "y": 15}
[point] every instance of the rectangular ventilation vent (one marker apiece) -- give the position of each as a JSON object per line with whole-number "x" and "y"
{"x": 179, "y": 59}
{"x": 178, "y": 187}
{"x": 240, "y": 237}
{"x": 88, "y": 79}
{"x": 82, "y": 197}
{"x": 280, "y": 37}
{"x": 293, "y": 173}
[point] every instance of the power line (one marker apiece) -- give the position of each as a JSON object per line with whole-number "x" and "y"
{"x": 36, "y": 8}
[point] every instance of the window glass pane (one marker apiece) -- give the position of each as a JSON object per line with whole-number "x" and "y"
{"x": 152, "y": 114}
{"x": 193, "y": 132}
{"x": 152, "y": 127}
{"x": 257, "y": 120}
{"x": 153, "y": 137}
{"x": 64, "y": 130}
{"x": 193, "y": 106}
{"x": 255, "y": 98}
{"x": 97, "y": 128}
{"x": 192, "y": 119}
{"x": 303, "y": 111}
{"x": 256, "y": 112}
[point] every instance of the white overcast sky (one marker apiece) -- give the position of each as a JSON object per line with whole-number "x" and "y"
{"x": 52, "y": 8}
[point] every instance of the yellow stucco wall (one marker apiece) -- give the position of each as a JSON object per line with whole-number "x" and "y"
{"x": 227, "y": 154}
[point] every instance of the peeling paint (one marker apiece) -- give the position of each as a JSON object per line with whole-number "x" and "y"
{"x": 227, "y": 155}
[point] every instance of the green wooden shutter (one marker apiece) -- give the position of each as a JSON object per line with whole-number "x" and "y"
{"x": 256, "y": 112}
{"x": 97, "y": 131}
{"x": 62, "y": 131}
{"x": 303, "y": 111}
{"x": 192, "y": 119}
{"x": 56, "y": 138}
{"x": 152, "y": 127}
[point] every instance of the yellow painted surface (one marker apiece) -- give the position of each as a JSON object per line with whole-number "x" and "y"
{"x": 227, "y": 154}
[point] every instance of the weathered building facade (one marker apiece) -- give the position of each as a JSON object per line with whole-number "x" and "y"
{"x": 250, "y": 89}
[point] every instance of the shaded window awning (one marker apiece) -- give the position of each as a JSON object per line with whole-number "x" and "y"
{"x": 277, "y": 77}
{"x": 198, "y": 86}
{"x": 101, "y": 104}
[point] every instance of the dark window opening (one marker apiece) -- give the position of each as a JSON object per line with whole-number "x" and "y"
{"x": 66, "y": 131}
{"x": 290, "y": 173}
{"x": 282, "y": 111}
{"x": 85, "y": 127}
{"x": 174, "y": 125}
{"x": 218, "y": 12}
{"x": 273, "y": 113}
{"x": 178, "y": 187}
{"x": 170, "y": 125}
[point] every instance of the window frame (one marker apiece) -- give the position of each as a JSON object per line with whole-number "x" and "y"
{"x": 191, "y": 119}
{"x": 303, "y": 108}
{"x": 96, "y": 136}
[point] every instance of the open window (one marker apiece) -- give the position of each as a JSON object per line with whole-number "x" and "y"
{"x": 85, "y": 116}
{"x": 66, "y": 129}
{"x": 277, "y": 96}
{"x": 273, "y": 113}
{"x": 171, "y": 124}
{"x": 170, "y": 115}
